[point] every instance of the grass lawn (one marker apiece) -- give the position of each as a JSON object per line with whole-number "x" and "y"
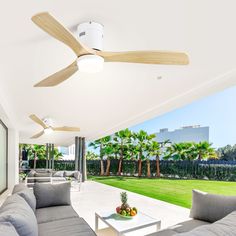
{"x": 177, "y": 192}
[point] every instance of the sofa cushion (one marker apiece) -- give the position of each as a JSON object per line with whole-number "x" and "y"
{"x": 48, "y": 195}
{"x": 16, "y": 211}
{"x": 69, "y": 173}
{"x": 7, "y": 229}
{"x": 59, "y": 174}
{"x": 29, "y": 197}
{"x": 211, "y": 207}
{"x": 19, "y": 187}
{"x": 44, "y": 179}
{"x": 223, "y": 227}
{"x": 48, "y": 214}
{"x": 71, "y": 227}
{"x": 165, "y": 232}
{"x": 187, "y": 225}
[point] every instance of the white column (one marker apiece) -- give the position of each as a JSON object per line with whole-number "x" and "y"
{"x": 13, "y": 158}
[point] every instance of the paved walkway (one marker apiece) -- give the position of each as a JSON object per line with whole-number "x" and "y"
{"x": 99, "y": 197}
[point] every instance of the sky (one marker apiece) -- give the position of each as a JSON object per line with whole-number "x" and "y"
{"x": 217, "y": 111}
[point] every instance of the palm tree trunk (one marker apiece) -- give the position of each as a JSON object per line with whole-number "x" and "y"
{"x": 140, "y": 165}
{"x": 108, "y": 167}
{"x": 148, "y": 169}
{"x": 102, "y": 167}
{"x": 158, "y": 167}
{"x": 120, "y": 166}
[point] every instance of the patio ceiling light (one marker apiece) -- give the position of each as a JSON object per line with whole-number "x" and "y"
{"x": 90, "y": 63}
{"x": 48, "y": 130}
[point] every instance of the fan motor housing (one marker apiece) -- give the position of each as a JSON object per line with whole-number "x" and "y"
{"x": 91, "y": 34}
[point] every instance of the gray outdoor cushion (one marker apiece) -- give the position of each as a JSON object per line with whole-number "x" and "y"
{"x": 69, "y": 227}
{"x": 223, "y": 227}
{"x": 16, "y": 211}
{"x": 7, "y": 229}
{"x": 165, "y": 232}
{"x": 48, "y": 214}
{"x": 44, "y": 175}
{"x": 59, "y": 174}
{"x": 19, "y": 187}
{"x": 48, "y": 195}
{"x": 70, "y": 173}
{"x": 211, "y": 207}
{"x": 188, "y": 225}
{"x": 29, "y": 197}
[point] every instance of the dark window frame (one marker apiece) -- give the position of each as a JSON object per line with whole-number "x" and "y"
{"x": 5, "y": 127}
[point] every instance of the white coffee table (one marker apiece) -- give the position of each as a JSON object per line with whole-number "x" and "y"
{"x": 122, "y": 225}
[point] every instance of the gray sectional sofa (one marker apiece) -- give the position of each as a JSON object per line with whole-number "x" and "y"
{"x": 212, "y": 215}
{"x": 46, "y": 211}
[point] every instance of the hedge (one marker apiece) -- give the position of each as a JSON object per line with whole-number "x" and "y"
{"x": 212, "y": 170}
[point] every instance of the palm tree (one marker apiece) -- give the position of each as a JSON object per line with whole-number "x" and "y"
{"x": 141, "y": 138}
{"x": 155, "y": 150}
{"x": 100, "y": 143}
{"x": 91, "y": 155}
{"x": 109, "y": 151}
{"x": 122, "y": 139}
{"x": 180, "y": 151}
{"x": 204, "y": 150}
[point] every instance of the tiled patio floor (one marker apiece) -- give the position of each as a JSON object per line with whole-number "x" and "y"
{"x": 99, "y": 197}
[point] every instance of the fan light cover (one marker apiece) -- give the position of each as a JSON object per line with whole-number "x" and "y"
{"x": 48, "y": 130}
{"x": 90, "y": 63}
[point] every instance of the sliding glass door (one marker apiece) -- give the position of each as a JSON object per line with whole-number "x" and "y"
{"x": 3, "y": 157}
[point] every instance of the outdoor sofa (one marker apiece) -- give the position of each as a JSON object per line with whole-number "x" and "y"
{"x": 212, "y": 215}
{"x": 44, "y": 211}
{"x": 49, "y": 175}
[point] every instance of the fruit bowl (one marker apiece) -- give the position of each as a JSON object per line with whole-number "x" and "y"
{"x": 124, "y": 210}
{"x": 127, "y": 217}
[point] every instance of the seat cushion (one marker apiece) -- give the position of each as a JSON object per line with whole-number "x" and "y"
{"x": 223, "y": 227}
{"x": 187, "y": 225}
{"x": 29, "y": 197}
{"x": 165, "y": 232}
{"x": 48, "y": 195}
{"x": 16, "y": 211}
{"x": 48, "y": 214}
{"x": 70, "y": 227}
{"x": 211, "y": 207}
{"x": 7, "y": 229}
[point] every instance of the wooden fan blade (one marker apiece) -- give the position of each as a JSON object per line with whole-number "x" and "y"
{"x": 38, "y": 134}
{"x": 59, "y": 76}
{"x": 49, "y": 24}
{"x": 37, "y": 120}
{"x": 67, "y": 128}
{"x": 146, "y": 57}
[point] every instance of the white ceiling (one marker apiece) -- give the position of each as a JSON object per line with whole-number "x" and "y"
{"x": 122, "y": 94}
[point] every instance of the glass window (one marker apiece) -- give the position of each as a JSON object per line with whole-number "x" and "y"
{"x": 3, "y": 157}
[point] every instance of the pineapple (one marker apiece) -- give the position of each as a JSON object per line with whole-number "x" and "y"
{"x": 124, "y": 199}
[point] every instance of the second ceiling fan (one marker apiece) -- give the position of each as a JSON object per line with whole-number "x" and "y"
{"x": 87, "y": 57}
{"x": 47, "y": 128}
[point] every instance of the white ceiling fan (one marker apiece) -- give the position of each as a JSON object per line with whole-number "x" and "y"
{"x": 47, "y": 129}
{"x": 88, "y": 50}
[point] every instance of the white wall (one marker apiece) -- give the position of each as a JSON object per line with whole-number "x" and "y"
{"x": 7, "y": 116}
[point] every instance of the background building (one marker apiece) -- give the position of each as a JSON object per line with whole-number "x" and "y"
{"x": 194, "y": 133}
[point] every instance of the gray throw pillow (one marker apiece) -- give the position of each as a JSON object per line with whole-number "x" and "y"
{"x": 18, "y": 188}
{"x": 7, "y": 229}
{"x": 59, "y": 174}
{"x": 29, "y": 197}
{"x": 16, "y": 211}
{"x": 223, "y": 227}
{"x": 52, "y": 194}
{"x": 211, "y": 207}
{"x": 69, "y": 173}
